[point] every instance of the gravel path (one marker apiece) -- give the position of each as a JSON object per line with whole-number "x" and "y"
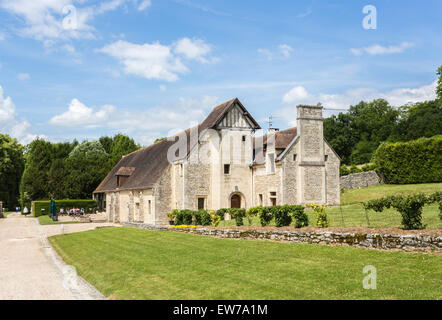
{"x": 31, "y": 270}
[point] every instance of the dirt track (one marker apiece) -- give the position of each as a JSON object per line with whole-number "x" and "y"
{"x": 29, "y": 267}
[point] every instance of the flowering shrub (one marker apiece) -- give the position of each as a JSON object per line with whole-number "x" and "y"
{"x": 321, "y": 215}
{"x": 214, "y": 218}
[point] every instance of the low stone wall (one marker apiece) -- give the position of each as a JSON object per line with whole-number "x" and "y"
{"x": 410, "y": 242}
{"x": 360, "y": 180}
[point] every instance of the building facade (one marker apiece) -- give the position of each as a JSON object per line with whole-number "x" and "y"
{"x": 224, "y": 163}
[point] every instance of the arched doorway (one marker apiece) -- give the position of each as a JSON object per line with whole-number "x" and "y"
{"x": 235, "y": 201}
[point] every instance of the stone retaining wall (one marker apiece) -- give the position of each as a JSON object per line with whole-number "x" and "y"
{"x": 410, "y": 242}
{"x": 360, "y": 180}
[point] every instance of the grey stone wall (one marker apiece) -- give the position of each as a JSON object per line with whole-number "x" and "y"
{"x": 360, "y": 180}
{"x": 411, "y": 242}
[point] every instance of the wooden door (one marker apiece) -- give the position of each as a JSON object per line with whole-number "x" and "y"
{"x": 235, "y": 201}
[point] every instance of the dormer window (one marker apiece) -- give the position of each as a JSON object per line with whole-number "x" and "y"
{"x": 123, "y": 174}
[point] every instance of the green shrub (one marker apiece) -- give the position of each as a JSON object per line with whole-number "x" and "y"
{"x": 410, "y": 207}
{"x": 265, "y": 216}
{"x": 184, "y": 217}
{"x": 41, "y": 208}
{"x": 172, "y": 215}
{"x": 300, "y": 217}
{"x": 238, "y": 215}
{"x": 416, "y": 161}
{"x": 343, "y": 170}
{"x": 196, "y": 218}
{"x": 221, "y": 213}
{"x": 282, "y": 215}
{"x": 205, "y": 218}
{"x": 253, "y": 212}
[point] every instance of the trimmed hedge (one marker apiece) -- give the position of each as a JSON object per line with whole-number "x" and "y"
{"x": 416, "y": 161}
{"x": 283, "y": 215}
{"x": 410, "y": 207}
{"x": 190, "y": 217}
{"x": 41, "y": 208}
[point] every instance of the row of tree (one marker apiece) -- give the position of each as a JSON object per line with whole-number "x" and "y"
{"x": 357, "y": 133}
{"x": 44, "y": 170}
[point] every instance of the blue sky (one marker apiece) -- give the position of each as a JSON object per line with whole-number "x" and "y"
{"x": 81, "y": 69}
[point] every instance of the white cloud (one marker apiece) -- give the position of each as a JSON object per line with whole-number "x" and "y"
{"x": 144, "y": 5}
{"x": 9, "y": 124}
{"x": 144, "y": 125}
{"x": 79, "y": 114}
{"x": 151, "y": 61}
{"x": 23, "y": 76}
{"x": 195, "y": 49}
{"x": 381, "y": 50}
{"x": 266, "y": 53}
{"x": 157, "y": 61}
{"x": 57, "y": 19}
{"x": 283, "y": 51}
{"x": 286, "y": 50}
{"x": 295, "y": 94}
{"x": 396, "y": 97}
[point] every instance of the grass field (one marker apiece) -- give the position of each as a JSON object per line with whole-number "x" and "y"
{"x": 45, "y": 220}
{"x": 126, "y": 263}
{"x": 379, "y": 191}
{"x": 353, "y": 214}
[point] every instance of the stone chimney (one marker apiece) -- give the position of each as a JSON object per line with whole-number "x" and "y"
{"x": 311, "y": 132}
{"x": 311, "y": 185}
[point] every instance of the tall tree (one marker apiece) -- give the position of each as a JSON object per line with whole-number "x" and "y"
{"x": 11, "y": 169}
{"x": 422, "y": 119}
{"x": 38, "y": 160}
{"x": 355, "y": 135}
{"x": 121, "y": 146}
{"x": 439, "y": 83}
{"x": 86, "y": 169}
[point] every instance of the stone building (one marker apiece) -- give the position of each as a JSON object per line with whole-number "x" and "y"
{"x": 223, "y": 163}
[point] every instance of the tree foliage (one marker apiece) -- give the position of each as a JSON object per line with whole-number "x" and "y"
{"x": 439, "y": 83}
{"x": 11, "y": 169}
{"x": 356, "y": 134}
{"x": 70, "y": 170}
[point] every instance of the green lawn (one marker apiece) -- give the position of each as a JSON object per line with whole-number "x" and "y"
{"x": 379, "y": 191}
{"x": 126, "y": 263}
{"x": 354, "y": 215}
{"x": 45, "y": 220}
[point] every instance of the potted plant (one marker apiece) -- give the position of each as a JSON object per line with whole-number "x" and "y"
{"x": 171, "y": 215}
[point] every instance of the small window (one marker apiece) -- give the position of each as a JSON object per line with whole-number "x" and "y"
{"x": 243, "y": 138}
{"x": 227, "y": 169}
{"x": 260, "y": 199}
{"x": 273, "y": 194}
{"x": 181, "y": 169}
{"x": 149, "y": 207}
{"x": 294, "y": 157}
{"x": 325, "y": 158}
{"x": 200, "y": 203}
